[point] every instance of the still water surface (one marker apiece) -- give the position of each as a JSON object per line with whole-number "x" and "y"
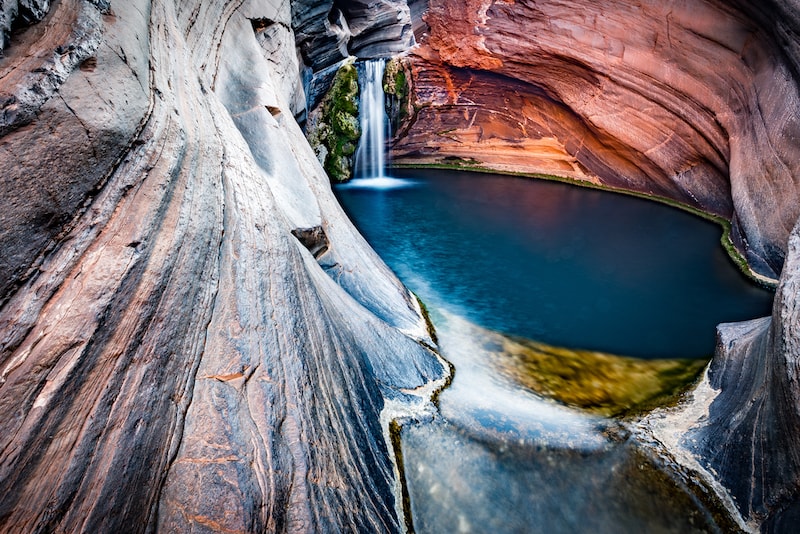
{"x": 570, "y": 267}
{"x": 564, "y": 265}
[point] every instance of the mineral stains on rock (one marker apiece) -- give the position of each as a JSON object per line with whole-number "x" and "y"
{"x": 171, "y": 356}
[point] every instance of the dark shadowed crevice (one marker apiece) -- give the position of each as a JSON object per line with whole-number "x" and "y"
{"x": 314, "y": 239}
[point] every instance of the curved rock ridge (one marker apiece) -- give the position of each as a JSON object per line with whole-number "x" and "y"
{"x": 694, "y": 100}
{"x": 201, "y": 341}
{"x": 329, "y": 31}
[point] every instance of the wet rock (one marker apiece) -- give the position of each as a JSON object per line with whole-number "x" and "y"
{"x": 742, "y": 423}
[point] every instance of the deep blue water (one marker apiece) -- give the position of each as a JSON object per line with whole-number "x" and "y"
{"x": 568, "y": 266}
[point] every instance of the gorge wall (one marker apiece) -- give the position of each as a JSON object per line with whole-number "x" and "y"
{"x": 193, "y": 337}
{"x": 693, "y": 101}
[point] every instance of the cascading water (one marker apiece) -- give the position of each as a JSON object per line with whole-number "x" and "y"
{"x": 370, "y": 155}
{"x": 370, "y": 165}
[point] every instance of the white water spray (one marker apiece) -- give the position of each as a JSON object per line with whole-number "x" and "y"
{"x": 370, "y": 156}
{"x": 370, "y": 167}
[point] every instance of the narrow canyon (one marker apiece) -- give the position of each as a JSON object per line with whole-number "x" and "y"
{"x": 195, "y": 338}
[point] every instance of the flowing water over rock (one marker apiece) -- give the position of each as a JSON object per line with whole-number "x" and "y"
{"x": 370, "y": 156}
{"x": 501, "y": 459}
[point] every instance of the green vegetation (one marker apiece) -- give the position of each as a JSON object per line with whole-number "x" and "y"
{"x": 336, "y": 131}
{"x": 397, "y": 90}
{"x": 471, "y": 165}
{"x": 427, "y": 317}
{"x": 395, "y": 436}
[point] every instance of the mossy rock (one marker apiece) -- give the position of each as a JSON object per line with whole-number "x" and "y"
{"x": 334, "y": 128}
{"x": 394, "y": 79}
{"x": 602, "y": 383}
{"x": 345, "y": 126}
{"x": 397, "y": 90}
{"x": 338, "y": 167}
{"x": 343, "y": 95}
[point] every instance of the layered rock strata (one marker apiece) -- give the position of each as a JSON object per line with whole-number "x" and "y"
{"x": 193, "y": 337}
{"x": 696, "y": 101}
{"x": 331, "y": 30}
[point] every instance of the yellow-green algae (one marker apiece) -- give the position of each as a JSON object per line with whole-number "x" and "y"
{"x": 601, "y": 383}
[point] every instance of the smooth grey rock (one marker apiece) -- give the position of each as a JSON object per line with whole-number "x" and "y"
{"x": 380, "y": 28}
{"x": 321, "y": 32}
{"x": 177, "y": 359}
{"x": 741, "y": 424}
{"x": 329, "y": 31}
{"x": 750, "y": 437}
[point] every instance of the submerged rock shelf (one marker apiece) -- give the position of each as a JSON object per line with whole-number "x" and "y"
{"x": 498, "y": 457}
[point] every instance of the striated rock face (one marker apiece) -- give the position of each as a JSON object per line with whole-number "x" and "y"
{"x": 518, "y": 129}
{"x": 34, "y": 75}
{"x": 697, "y": 101}
{"x": 331, "y": 30}
{"x": 192, "y": 335}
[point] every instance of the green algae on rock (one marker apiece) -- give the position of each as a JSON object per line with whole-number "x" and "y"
{"x": 333, "y": 129}
{"x": 397, "y": 90}
{"x": 601, "y": 383}
{"x": 598, "y": 382}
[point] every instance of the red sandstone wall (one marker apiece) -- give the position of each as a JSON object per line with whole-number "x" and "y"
{"x": 693, "y": 100}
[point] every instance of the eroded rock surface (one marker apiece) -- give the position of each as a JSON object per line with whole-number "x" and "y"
{"x": 695, "y": 100}
{"x": 328, "y": 31}
{"x": 177, "y": 353}
{"x": 742, "y": 422}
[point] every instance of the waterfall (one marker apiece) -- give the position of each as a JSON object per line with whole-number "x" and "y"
{"x": 370, "y": 155}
